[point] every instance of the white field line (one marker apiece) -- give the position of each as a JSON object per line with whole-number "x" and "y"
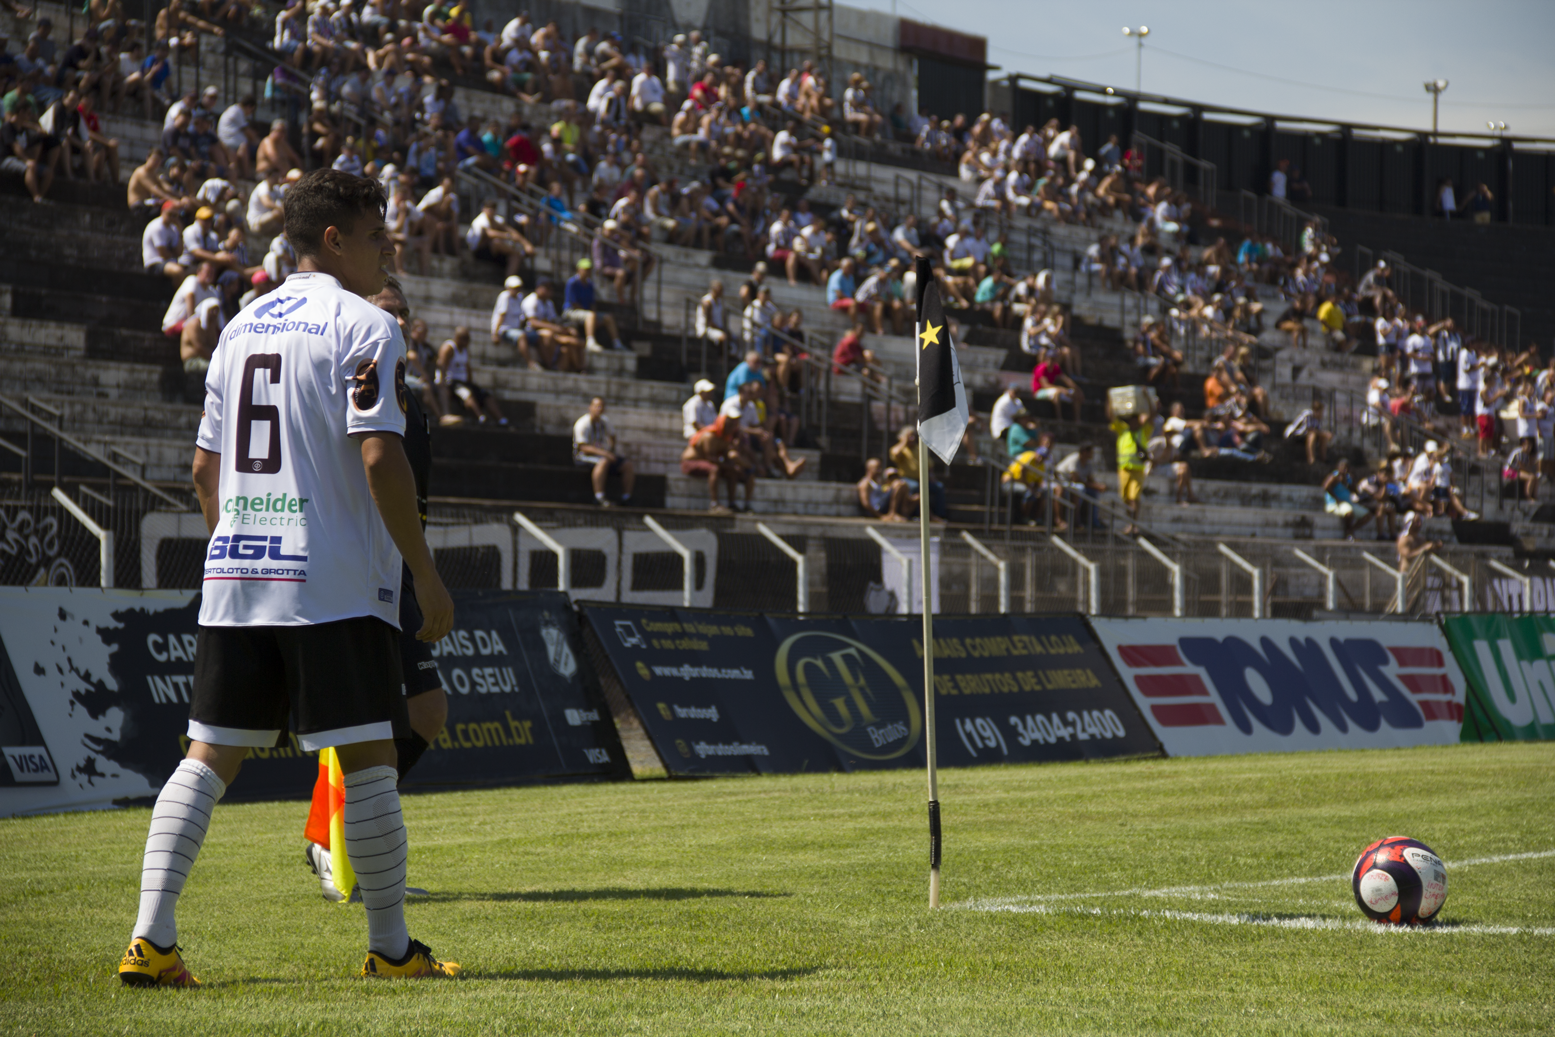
{"x": 1212, "y": 892}
{"x": 1298, "y": 922}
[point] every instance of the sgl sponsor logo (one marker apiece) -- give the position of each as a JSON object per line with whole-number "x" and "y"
{"x": 848, "y": 693}
{"x": 248, "y": 547}
{"x": 1332, "y": 684}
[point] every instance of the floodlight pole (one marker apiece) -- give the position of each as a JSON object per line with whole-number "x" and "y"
{"x": 563, "y": 566}
{"x": 687, "y": 565}
{"x": 802, "y": 595}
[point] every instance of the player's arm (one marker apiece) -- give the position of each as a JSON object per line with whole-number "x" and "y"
{"x": 393, "y": 486}
{"x": 207, "y": 485}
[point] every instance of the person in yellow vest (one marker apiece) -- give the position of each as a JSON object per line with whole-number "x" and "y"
{"x": 1133, "y": 455}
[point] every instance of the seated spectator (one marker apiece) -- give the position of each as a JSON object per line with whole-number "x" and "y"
{"x": 266, "y": 212}
{"x": 841, "y": 286}
{"x": 701, "y": 410}
{"x": 1008, "y": 412}
{"x": 24, "y": 147}
{"x": 882, "y": 494}
{"x": 195, "y": 318}
{"x": 764, "y": 448}
{"x": 711, "y": 454}
{"x": 1339, "y": 499}
{"x": 540, "y": 316}
{"x": 759, "y": 316}
{"x": 622, "y": 264}
{"x": 146, "y": 191}
{"x": 851, "y": 355}
{"x": 1308, "y": 429}
{"x": 747, "y": 370}
{"x": 881, "y": 296}
{"x": 904, "y": 456}
{"x": 1078, "y": 476}
{"x": 493, "y": 239}
{"x": 1050, "y": 383}
{"x": 238, "y": 137}
{"x": 275, "y": 151}
{"x": 711, "y": 322}
{"x": 1381, "y": 498}
{"x": 1026, "y": 481}
{"x": 161, "y": 245}
{"x": 454, "y": 379}
{"x": 578, "y": 309}
{"x": 594, "y": 446}
{"x": 1520, "y": 474}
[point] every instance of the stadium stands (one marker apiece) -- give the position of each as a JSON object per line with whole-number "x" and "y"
{"x": 80, "y": 317}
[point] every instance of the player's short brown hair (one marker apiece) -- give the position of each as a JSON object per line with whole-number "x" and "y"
{"x": 328, "y": 198}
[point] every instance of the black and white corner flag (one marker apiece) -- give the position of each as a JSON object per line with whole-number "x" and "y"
{"x": 942, "y": 406}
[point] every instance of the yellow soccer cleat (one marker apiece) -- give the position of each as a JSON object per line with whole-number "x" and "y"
{"x": 418, "y": 963}
{"x": 144, "y": 965}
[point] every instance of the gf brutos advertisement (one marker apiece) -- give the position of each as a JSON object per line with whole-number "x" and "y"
{"x": 724, "y": 692}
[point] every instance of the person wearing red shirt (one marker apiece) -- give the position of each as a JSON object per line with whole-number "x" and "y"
{"x": 850, "y": 355}
{"x": 523, "y": 158}
{"x": 1048, "y": 382}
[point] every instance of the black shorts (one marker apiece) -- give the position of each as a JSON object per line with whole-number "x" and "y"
{"x": 342, "y": 681}
{"x": 420, "y": 669}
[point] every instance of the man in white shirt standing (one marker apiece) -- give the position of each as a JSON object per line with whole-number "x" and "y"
{"x": 1422, "y": 360}
{"x": 311, "y": 503}
{"x": 594, "y": 446}
{"x": 1468, "y": 388}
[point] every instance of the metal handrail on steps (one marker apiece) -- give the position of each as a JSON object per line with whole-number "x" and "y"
{"x": 63, "y": 440}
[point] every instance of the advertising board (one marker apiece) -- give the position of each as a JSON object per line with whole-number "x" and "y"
{"x": 95, "y": 689}
{"x": 722, "y": 692}
{"x": 1211, "y": 687}
{"x": 1507, "y": 663}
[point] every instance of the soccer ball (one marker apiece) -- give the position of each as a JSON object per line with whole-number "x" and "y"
{"x": 1400, "y": 881}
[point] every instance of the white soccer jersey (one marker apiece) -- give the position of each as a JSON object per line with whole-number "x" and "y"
{"x": 299, "y": 540}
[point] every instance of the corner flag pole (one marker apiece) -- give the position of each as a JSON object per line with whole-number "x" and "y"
{"x": 930, "y": 742}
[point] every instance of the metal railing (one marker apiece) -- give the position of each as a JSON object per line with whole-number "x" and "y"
{"x": 1173, "y": 165}
{"x": 1426, "y": 291}
{"x": 65, "y": 441}
{"x": 1277, "y": 218}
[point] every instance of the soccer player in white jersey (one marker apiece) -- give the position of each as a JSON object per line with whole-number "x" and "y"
{"x": 311, "y": 504}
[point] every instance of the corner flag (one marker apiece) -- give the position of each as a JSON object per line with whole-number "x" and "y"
{"x": 942, "y": 406}
{"x": 327, "y": 820}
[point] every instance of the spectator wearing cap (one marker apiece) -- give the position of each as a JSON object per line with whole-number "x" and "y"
{"x": 493, "y": 239}
{"x": 594, "y": 445}
{"x": 202, "y": 244}
{"x": 261, "y": 284}
{"x": 712, "y": 454}
{"x": 701, "y": 410}
{"x": 578, "y": 309}
{"x": 536, "y": 346}
{"x": 161, "y": 245}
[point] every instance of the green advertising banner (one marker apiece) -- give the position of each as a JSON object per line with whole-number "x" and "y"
{"x": 1509, "y": 663}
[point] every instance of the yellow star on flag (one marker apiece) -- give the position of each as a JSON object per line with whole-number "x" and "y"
{"x": 930, "y": 335}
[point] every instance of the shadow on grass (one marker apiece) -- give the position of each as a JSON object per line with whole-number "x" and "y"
{"x": 544, "y": 896}
{"x": 666, "y": 974}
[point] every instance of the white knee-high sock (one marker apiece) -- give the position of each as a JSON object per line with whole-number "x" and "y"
{"x": 376, "y": 844}
{"x": 178, "y": 824}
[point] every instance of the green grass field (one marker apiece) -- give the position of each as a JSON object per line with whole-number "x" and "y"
{"x": 798, "y": 906}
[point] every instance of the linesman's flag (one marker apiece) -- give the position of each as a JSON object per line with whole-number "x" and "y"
{"x": 327, "y": 820}
{"x": 942, "y": 407}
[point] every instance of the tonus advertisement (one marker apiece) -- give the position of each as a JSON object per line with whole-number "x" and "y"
{"x": 1211, "y": 687}
{"x": 1507, "y": 661}
{"x": 722, "y": 692}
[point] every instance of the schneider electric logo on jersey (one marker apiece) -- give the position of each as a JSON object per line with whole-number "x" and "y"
{"x": 273, "y": 509}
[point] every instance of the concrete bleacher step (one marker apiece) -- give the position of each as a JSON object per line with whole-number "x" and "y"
{"x": 772, "y": 497}
{"x": 107, "y": 417}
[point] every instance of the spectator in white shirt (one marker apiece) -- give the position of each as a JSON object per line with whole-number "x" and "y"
{"x": 265, "y": 207}
{"x": 194, "y": 317}
{"x": 594, "y": 446}
{"x": 1008, "y": 410}
{"x": 161, "y": 245}
{"x": 648, "y": 96}
{"x": 788, "y": 152}
{"x": 1279, "y": 179}
{"x": 711, "y": 322}
{"x": 701, "y": 410}
{"x": 540, "y": 315}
